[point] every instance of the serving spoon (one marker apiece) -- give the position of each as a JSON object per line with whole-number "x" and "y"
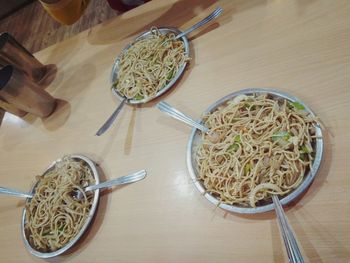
{"x": 290, "y": 242}
{"x": 134, "y": 177}
{"x": 217, "y": 12}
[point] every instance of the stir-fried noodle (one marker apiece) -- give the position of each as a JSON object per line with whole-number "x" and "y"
{"x": 54, "y": 215}
{"x": 149, "y": 65}
{"x": 257, "y": 146}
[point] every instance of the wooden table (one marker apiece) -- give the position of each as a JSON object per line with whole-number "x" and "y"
{"x": 300, "y": 47}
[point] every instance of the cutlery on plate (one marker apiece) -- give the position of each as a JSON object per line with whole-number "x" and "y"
{"x": 127, "y": 179}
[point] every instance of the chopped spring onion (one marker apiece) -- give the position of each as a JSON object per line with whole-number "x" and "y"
{"x": 297, "y": 105}
{"x": 284, "y": 135}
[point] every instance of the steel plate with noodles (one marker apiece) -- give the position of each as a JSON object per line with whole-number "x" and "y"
{"x": 260, "y": 143}
{"x": 150, "y": 65}
{"x": 147, "y": 68}
{"x": 53, "y": 219}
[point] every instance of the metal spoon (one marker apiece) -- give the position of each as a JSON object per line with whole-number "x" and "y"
{"x": 111, "y": 119}
{"x": 290, "y": 242}
{"x": 217, "y": 12}
{"x": 127, "y": 179}
{"x": 134, "y": 177}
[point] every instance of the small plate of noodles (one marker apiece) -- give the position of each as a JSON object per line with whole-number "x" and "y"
{"x": 261, "y": 142}
{"x": 54, "y": 219}
{"x": 150, "y": 65}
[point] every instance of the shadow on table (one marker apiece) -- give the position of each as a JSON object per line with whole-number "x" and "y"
{"x": 67, "y": 88}
{"x": 110, "y": 135}
{"x": 59, "y": 117}
{"x": 61, "y": 53}
{"x": 172, "y": 15}
{"x": 55, "y": 120}
{"x": 130, "y": 133}
{"x": 2, "y": 113}
{"x": 67, "y": 84}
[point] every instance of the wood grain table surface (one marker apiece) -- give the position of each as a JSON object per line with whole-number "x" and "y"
{"x": 299, "y": 47}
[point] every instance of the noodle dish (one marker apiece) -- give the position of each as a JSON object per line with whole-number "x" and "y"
{"x": 150, "y": 65}
{"x": 259, "y": 144}
{"x": 55, "y": 218}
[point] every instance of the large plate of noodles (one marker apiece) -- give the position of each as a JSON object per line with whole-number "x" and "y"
{"x": 149, "y": 65}
{"x": 54, "y": 220}
{"x": 261, "y": 142}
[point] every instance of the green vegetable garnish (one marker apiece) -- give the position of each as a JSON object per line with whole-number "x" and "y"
{"x": 296, "y": 105}
{"x": 247, "y": 168}
{"x": 284, "y": 135}
{"x": 170, "y": 74}
{"x": 139, "y": 97}
{"x": 233, "y": 147}
{"x": 304, "y": 149}
{"x": 164, "y": 42}
{"x": 302, "y": 156}
{"x": 114, "y": 85}
{"x": 237, "y": 138}
{"x": 248, "y": 106}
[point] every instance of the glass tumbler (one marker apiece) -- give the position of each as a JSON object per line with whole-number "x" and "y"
{"x": 21, "y": 92}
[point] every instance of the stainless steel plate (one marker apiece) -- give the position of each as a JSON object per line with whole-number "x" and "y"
{"x": 115, "y": 68}
{"x": 39, "y": 254}
{"x": 195, "y": 139}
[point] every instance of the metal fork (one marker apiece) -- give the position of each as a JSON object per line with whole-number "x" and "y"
{"x": 206, "y": 20}
{"x": 171, "y": 111}
{"x": 127, "y": 179}
{"x": 14, "y": 192}
{"x": 290, "y": 242}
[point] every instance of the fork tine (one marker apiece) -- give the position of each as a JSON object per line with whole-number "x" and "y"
{"x": 166, "y": 108}
{"x": 210, "y": 17}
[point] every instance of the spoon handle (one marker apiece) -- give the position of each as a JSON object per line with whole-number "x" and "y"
{"x": 134, "y": 177}
{"x": 171, "y": 111}
{"x": 290, "y": 242}
{"x": 206, "y": 20}
{"x": 13, "y": 192}
{"x": 111, "y": 119}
